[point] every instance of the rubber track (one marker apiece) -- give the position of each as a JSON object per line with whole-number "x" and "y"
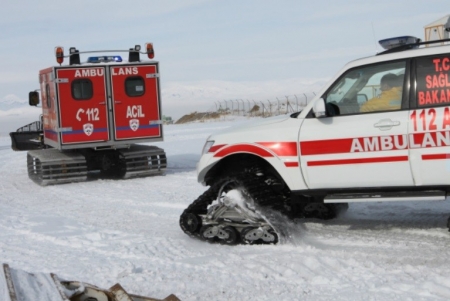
{"x": 265, "y": 199}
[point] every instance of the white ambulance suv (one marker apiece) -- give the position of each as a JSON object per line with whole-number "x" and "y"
{"x": 379, "y": 131}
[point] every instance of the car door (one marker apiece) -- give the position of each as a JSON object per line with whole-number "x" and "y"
{"x": 350, "y": 148}
{"x": 429, "y": 130}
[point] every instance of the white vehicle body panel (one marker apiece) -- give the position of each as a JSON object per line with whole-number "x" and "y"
{"x": 353, "y": 151}
{"x": 278, "y": 147}
{"x": 430, "y": 146}
{"x": 335, "y": 152}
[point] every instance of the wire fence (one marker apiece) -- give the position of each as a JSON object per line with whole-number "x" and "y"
{"x": 223, "y": 109}
{"x": 270, "y": 107}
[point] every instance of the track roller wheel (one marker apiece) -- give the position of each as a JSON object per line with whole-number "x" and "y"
{"x": 247, "y": 236}
{"x": 270, "y": 237}
{"x": 208, "y": 233}
{"x": 190, "y": 222}
{"x": 252, "y": 235}
{"x": 233, "y": 235}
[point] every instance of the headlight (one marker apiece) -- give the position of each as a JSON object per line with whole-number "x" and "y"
{"x": 207, "y": 146}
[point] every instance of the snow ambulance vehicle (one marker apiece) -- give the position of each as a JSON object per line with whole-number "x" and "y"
{"x": 94, "y": 114}
{"x": 379, "y": 131}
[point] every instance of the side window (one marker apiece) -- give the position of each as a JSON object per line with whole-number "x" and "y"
{"x": 371, "y": 88}
{"x": 134, "y": 86}
{"x": 48, "y": 98}
{"x": 433, "y": 81}
{"x": 82, "y": 89}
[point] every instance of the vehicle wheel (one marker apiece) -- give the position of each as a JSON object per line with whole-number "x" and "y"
{"x": 341, "y": 208}
{"x": 319, "y": 210}
{"x": 190, "y": 222}
{"x": 233, "y": 235}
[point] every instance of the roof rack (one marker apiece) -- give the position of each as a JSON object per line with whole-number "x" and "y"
{"x": 412, "y": 46}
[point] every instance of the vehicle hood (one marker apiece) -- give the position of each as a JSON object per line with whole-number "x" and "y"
{"x": 278, "y": 128}
{"x": 254, "y": 124}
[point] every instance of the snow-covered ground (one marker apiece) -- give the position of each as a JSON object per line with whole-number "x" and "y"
{"x": 108, "y": 231}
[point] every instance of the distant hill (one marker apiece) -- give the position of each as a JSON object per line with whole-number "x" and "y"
{"x": 198, "y": 116}
{"x": 11, "y": 102}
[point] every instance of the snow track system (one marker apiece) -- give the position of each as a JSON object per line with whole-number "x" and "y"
{"x": 233, "y": 211}
{"x": 244, "y": 209}
{"x": 17, "y": 285}
{"x": 51, "y": 166}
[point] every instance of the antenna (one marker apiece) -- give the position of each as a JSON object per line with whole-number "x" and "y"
{"x": 374, "y": 38}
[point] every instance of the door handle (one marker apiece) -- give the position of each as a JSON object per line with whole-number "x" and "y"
{"x": 386, "y": 124}
{"x": 102, "y": 103}
{"x": 117, "y": 101}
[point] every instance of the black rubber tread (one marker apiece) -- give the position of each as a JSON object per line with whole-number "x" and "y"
{"x": 255, "y": 186}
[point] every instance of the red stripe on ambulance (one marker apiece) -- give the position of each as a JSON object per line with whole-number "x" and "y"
{"x": 243, "y": 148}
{"x": 215, "y": 148}
{"x": 281, "y": 148}
{"x": 358, "y": 161}
{"x": 375, "y": 144}
{"x": 436, "y": 157}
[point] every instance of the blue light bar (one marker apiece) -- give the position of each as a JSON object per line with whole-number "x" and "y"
{"x": 398, "y": 41}
{"x": 104, "y": 59}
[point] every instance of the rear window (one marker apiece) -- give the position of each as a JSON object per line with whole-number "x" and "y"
{"x": 82, "y": 89}
{"x": 433, "y": 81}
{"x": 134, "y": 86}
{"x": 47, "y": 96}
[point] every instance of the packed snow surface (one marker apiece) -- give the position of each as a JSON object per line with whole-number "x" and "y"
{"x": 108, "y": 231}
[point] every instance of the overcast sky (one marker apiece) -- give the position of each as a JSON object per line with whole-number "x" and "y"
{"x": 195, "y": 40}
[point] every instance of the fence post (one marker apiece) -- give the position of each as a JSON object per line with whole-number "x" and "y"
{"x": 264, "y": 109}
{"x": 288, "y": 105}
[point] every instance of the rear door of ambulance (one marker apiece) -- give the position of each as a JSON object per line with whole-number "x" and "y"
{"x": 136, "y": 102}
{"x": 82, "y": 101}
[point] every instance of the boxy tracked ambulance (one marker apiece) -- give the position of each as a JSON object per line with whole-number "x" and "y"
{"x": 379, "y": 131}
{"x": 95, "y": 117}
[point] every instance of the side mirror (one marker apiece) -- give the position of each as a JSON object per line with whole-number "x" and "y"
{"x": 319, "y": 108}
{"x": 33, "y": 98}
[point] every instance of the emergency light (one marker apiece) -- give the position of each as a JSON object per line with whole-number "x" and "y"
{"x": 59, "y": 53}
{"x": 104, "y": 59}
{"x": 133, "y": 55}
{"x": 398, "y": 41}
{"x": 150, "y": 50}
